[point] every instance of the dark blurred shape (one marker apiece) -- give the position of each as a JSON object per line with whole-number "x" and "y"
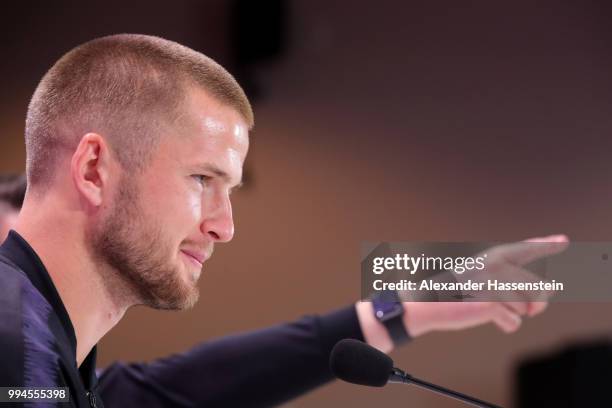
{"x": 578, "y": 376}
{"x": 259, "y": 33}
{"x": 13, "y": 189}
{"x": 358, "y": 363}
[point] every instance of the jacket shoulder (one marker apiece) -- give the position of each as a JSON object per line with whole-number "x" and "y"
{"x": 26, "y": 341}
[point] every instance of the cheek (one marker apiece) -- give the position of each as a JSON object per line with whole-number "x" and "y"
{"x": 184, "y": 210}
{"x": 194, "y": 206}
{"x": 175, "y": 206}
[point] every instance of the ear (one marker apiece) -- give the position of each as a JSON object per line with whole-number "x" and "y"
{"x": 90, "y": 168}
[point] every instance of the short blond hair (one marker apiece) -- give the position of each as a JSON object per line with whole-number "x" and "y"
{"x": 124, "y": 86}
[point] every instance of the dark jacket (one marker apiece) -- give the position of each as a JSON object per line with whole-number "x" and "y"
{"x": 256, "y": 369}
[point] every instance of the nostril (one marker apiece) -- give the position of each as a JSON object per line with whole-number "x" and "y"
{"x": 214, "y": 235}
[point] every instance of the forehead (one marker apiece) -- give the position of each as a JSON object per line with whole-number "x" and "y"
{"x": 208, "y": 131}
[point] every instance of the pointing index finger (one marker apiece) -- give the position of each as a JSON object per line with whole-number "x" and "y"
{"x": 524, "y": 252}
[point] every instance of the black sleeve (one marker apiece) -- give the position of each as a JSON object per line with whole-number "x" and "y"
{"x": 256, "y": 369}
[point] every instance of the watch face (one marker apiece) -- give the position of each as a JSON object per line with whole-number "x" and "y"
{"x": 386, "y": 309}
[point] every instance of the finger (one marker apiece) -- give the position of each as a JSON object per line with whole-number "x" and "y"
{"x": 516, "y": 274}
{"x": 519, "y": 308}
{"x": 521, "y": 253}
{"x": 551, "y": 238}
{"x": 533, "y": 296}
{"x": 505, "y": 319}
{"x": 535, "y": 308}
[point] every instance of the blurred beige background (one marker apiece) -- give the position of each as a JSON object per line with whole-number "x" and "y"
{"x": 408, "y": 121}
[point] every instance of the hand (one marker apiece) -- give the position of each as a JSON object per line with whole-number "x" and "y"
{"x": 422, "y": 317}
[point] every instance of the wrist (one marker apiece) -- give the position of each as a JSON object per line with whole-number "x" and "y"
{"x": 416, "y": 319}
{"x": 374, "y": 332}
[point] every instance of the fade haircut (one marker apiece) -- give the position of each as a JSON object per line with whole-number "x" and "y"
{"x": 126, "y": 87}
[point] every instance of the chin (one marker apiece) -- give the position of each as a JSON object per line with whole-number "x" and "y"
{"x": 195, "y": 276}
{"x": 183, "y": 295}
{"x": 190, "y": 299}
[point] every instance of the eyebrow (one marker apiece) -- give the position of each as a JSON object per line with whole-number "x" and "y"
{"x": 209, "y": 167}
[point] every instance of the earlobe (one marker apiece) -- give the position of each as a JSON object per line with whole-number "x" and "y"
{"x": 89, "y": 168}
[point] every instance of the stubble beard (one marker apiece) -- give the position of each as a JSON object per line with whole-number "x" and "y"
{"x": 139, "y": 260}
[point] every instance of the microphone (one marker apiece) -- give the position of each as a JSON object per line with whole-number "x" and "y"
{"x": 359, "y": 363}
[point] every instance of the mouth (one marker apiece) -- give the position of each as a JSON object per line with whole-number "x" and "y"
{"x": 195, "y": 258}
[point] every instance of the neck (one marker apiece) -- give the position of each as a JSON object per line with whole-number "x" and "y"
{"x": 93, "y": 307}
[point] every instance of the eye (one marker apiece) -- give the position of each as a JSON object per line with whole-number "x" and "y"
{"x": 201, "y": 179}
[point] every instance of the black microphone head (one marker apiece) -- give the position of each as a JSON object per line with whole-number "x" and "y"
{"x": 358, "y": 363}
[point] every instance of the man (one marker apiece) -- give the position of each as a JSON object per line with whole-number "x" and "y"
{"x": 12, "y": 193}
{"x": 134, "y": 144}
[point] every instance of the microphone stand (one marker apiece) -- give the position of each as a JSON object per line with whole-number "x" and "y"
{"x": 398, "y": 376}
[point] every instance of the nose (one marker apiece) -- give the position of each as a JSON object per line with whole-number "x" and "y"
{"x": 217, "y": 220}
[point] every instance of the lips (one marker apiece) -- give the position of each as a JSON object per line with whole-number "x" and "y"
{"x": 199, "y": 257}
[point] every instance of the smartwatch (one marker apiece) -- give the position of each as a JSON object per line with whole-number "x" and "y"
{"x": 388, "y": 309}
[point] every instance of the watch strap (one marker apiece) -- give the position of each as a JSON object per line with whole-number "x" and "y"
{"x": 397, "y": 330}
